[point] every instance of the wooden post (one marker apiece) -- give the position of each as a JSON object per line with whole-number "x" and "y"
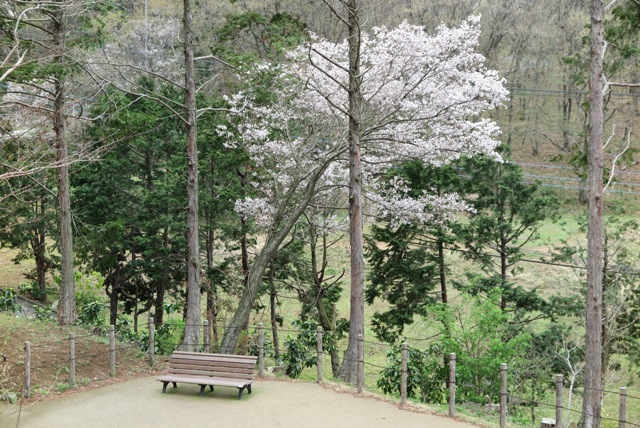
{"x": 360, "y": 363}
{"x": 27, "y": 369}
{"x": 207, "y": 336}
{"x": 152, "y": 342}
{"x": 452, "y": 384}
{"x": 72, "y": 359}
{"x": 622, "y": 415}
{"x": 559, "y": 382}
{"x": 503, "y": 395}
{"x": 112, "y": 350}
{"x": 403, "y": 376}
{"x": 261, "y": 350}
{"x": 320, "y": 351}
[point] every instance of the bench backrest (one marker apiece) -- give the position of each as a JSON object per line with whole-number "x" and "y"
{"x": 215, "y": 365}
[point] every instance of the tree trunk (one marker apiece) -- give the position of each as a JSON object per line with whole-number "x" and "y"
{"x": 503, "y": 272}
{"x": 278, "y": 233}
{"x": 442, "y": 271}
{"x": 38, "y": 246}
{"x": 192, "y": 330}
{"x": 212, "y": 298}
{"x": 273, "y": 294}
{"x": 349, "y": 370}
{"x": 67, "y": 304}
{"x": 591, "y": 407}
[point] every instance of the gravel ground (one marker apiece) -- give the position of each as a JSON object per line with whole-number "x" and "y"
{"x": 140, "y": 403}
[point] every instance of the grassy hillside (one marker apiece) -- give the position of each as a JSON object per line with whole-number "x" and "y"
{"x": 50, "y": 358}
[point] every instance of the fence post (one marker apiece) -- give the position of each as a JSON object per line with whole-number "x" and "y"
{"x": 559, "y": 382}
{"x": 152, "y": 342}
{"x": 72, "y": 359}
{"x": 261, "y": 350}
{"x": 503, "y": 395}
{"x": 452, "y": 384}
{"x": 27, "y": 369}
{"x": 207, "y": 336}
{"x": 623, "y": 408}
{"x": 112, "y": 350}
{"x": 360, "y": 363}
{"x": 319, "y": 332}
{"x": 403, "y": 376}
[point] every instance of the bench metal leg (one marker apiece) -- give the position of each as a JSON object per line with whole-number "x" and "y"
{"x": 240, "y": 392}
{"x": 175, "y": 385}
{"x": 249, "y": 389}
{"x": 210, "y": 388}
{"x": 164, "y": 387}
{"x": 202, "y": 389}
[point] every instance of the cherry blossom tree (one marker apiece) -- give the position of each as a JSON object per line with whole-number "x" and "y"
{"x": 422, "y": 97}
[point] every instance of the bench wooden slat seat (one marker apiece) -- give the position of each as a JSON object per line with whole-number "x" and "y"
{"x": 210, "y": 370}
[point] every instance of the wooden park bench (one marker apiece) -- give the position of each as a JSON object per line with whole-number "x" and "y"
{"x": 210, "y": 370}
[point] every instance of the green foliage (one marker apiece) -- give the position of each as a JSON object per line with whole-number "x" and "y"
{"x": 508, "y": 214}
{"x": 88, "y": 288}
{"x": 250, "y": 36}
{"x": 131, "y": 204}
{"x": 300, "y": 350}
{"x": 43, "y": 313}
{"x": 32, "y": 290}
{"x": 425, "y": 374}
{"x": 406, "y": 261}
{"x": 166, "y": 338}
{"x": 92, "y": 314}
{"x": 64, "y": 386}
{"x": 8, "y": 301}
{"x": 125, "y": 332}
{"x": 403, "y": 274}
{"x": 482, "y": 337}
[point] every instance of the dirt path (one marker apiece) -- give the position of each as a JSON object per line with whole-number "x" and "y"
{"x": 140, "y": 403}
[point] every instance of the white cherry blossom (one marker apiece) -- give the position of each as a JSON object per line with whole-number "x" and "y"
{"x": 425, "y": 98}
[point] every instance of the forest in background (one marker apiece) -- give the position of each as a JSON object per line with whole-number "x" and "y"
{"x": 102, "y": 97}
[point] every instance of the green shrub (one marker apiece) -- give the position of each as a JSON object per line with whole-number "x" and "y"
{"x": 426, "y": 374}
{"x": 31, "y": 289}
{"x": 43, "y": 313}
{"x": 300, "y": 350}
{"x": 91, "y": 314}
{"x": 166, "y": 338}
{"x": 8, "y": 301}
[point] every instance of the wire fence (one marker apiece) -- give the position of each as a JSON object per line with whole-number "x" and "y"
{"x": 381, "y": 367}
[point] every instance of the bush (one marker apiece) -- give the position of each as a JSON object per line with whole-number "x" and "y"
{"x": 426, "y": 374}
{"x": 91, "y": 314}
{"x": 31, "y": 289}
{"x": 8, "y": 301}
{"x": 300, "y": 351}
{"x": 43, "y": 313}
{"x": 166, "y": 338}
